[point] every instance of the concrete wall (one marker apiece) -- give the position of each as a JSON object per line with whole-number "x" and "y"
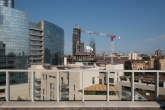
{"x": 20, "y": 91}
{"x": 74, "y": 86}
{"x": 75, "y": 82}
{"x": 88, "y": 75}
{"x": 46, "y": 80}
{"x": 101, "y": 97}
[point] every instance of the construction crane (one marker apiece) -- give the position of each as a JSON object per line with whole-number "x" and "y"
{"x": 111, "y": 36}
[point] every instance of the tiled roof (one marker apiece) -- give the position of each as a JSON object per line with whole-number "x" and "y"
{"x": 100, "y": 87}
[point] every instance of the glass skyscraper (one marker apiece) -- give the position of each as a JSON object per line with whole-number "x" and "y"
{"x": 14, "y": 33}
{"x": 7, "y": 3}
{"x": 46, "y": 43}
{"x": 53, "y": 44}
{"x": 14, "y": 38}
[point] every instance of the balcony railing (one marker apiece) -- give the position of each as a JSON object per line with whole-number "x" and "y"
{"x": 129, "y": 83}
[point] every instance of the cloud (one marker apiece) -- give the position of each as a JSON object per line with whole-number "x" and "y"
{"x": 156, "y": 39}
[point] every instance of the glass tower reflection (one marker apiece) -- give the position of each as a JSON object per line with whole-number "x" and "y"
{"x": 15, "y": 36}
{"x": 14, "y": 43}
{"x": 7, "y": 3}
{"x": 53, "y": 44}
{"x": 46, "y": 44}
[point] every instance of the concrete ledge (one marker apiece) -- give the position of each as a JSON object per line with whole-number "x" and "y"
{"x": 79, "y": 104}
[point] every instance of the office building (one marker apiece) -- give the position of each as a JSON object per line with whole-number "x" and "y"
{"x": 158, "y": 53}
{"x": 14, "y": 41}
{"x": 2, "y": 55}
{"x": 133, "y": 56}
{"x": 7, "y": 3}
{"x": 46, "y": 43}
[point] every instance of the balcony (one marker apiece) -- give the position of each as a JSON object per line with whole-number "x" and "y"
{"x": 36, "y": 54}
{"x": 37, "y": 44}
{"x": 65, "y": 86}
{"x": 97, "y": 96}
{"x": 32, "y": 59}
{"x": 39, "y": 49}
{"x": 35, "y": 39}
{"x": 33, "y": 34}
{"x": 35, "y": 28}
{"x": 2, "y": 94}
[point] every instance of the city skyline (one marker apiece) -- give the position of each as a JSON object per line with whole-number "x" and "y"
{"x": 35, "y": 72}
{"x": 139, "y": 23}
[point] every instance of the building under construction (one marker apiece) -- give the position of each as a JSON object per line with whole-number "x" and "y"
{"x": 78, "y": 51}
{"x": 77, "y": 46}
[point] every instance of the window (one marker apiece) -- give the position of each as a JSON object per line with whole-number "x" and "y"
{"x": 43, "y": 91}
{"x": 51, "y": 91}
{"x": 100, "y": 81}
{"x": 62, "y": 81}
{"x": 111, "y": 80}
{"x": 1, "y": 19}
{"x": 93, "y": 80}
{"x": 43, "y": 76}
{"x": 105, "y": 80}
{"x": 74, "y": 87}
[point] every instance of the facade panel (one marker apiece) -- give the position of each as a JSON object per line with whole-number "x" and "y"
{"x": 53, "y": 44}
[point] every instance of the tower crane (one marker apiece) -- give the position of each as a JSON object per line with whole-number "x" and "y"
{"x": 111, "y": 36}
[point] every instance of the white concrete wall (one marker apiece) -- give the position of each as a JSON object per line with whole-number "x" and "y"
{"x": 101, "y": 97}
{"x": 116, "y": 75}
{"x": 88, "y": 75}
{"x": 75, "y": 78}
{"x": 20, "y": 90}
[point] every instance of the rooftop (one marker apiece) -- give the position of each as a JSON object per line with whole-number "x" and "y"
{"x": 100, "y": 87}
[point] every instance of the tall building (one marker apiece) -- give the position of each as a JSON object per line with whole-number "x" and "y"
{"x": 77, "y": 46}
{"x": 2, "y": 55}
{"x": 133, "y": 56}
{"x": 7, "y": 3}
{"x": 158, "y": 53}
{"x": 46, "y": 43}
{"x": 14, "y": 34}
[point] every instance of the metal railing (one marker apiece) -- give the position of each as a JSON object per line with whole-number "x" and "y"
{"x": 7, "y": 91}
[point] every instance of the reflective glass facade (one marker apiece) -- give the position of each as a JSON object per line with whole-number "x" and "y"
{"x": 46, "y": 43}
{"x": 53, "y": 44}
{"x": 14, "y": 33}
{"x": 7, "y": 3}
{"x": 14, "y": 41}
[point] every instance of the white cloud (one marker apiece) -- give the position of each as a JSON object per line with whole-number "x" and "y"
{"x": 156, "y": 39}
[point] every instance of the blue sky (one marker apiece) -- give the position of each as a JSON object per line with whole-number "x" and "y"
{"x": 140, "y": 23}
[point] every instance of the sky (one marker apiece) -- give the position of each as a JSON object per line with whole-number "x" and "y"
{"x": 139, "y": 23}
